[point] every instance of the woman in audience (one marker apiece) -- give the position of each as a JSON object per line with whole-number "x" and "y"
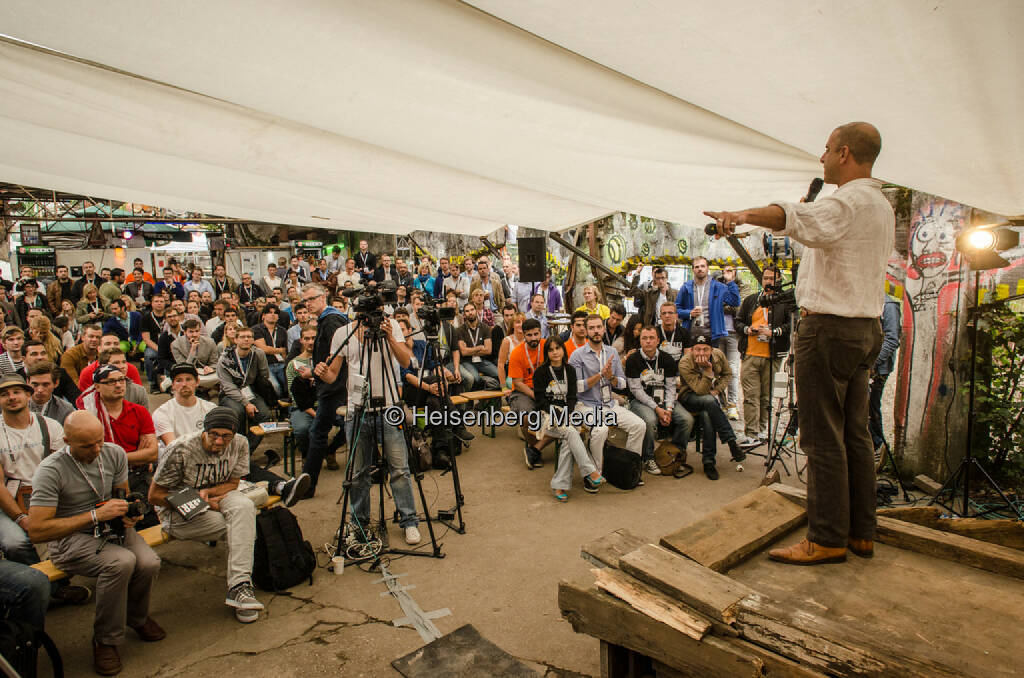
{"x": 91, "y": 308}
{"x": 554, "y": 387}
{"x": 424, "y": 281}
{"x": 228, "y": 340}
{"x": 60, "y": 326}
{"x": 30, "y": 299}
{"x": 591, "y": 303}
{"x": 507, "y": 344}
{"x": 39, "y": 329}
{"x": 67, "y": 309}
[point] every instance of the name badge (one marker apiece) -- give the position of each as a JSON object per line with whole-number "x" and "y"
{"x": 474, "y": 359}
{"x": 247, "y": 393}
{"x": 659, "y": 395}
{"x": 606, "y": 394}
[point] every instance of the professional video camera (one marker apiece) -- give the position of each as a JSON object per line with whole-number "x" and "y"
{"x": 432, "y": 313}
{"x": 113, "y": 530}
{"x": 779, "y": 293}
{"x": 369, "y": 302}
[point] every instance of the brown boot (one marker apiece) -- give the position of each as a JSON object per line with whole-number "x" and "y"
{"x": 332, "y": 462}
{"x": 865, "y": 548}
{"x": 105, "y": 659}
{"x": 808, "y": 553}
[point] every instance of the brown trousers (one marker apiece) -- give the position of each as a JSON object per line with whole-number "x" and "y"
{"x": 833, "y": 356}
{"x": 756, "y": 374}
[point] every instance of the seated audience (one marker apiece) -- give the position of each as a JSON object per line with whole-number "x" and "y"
{"x": 474, "y": 340}
{"x": 523, "y": 361}
{"x": 184, "y": 412}
{"x": 108, "y": 342}
{"x": 127, "y": 325}
{"x": 199, "y": 351}
{"x": 11, "y": 361}
{"x": 241, "y": 370}
{"x": 70, "y": 507}
{"x": 272, "y": 339}
{"x": 43, "y": 401}
{"x": 64, "y": 386}
{"x": 76, "y": 358}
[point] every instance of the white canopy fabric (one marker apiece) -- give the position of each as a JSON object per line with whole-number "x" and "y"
{"x": 396, "y": 116}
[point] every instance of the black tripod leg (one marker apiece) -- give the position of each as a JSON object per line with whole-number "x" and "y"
{"x": 896, "y": 469}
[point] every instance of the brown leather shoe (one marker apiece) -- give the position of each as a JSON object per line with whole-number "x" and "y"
{"x": 865, "y": 548}
{"x": 105, "y": 659}
{"x": 808, "y": 553}
{"x": 150, "y": 631}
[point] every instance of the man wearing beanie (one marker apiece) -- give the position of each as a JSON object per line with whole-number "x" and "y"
{"x": 211, "y": 462}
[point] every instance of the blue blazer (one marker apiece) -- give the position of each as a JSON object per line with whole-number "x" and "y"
{"x": 719, "y": 295}
{"x": 134, "y": 332}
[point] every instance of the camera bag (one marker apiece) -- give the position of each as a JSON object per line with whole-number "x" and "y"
{"x": 20, "y": 644}
{"x": 621, "y": 467}
{"x": 281, "y": 558}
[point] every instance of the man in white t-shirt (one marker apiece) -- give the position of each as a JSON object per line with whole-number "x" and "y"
{"x": 182, "y": 414}
{"x": 23, "y": 445}
{"x": 381, "y": 385}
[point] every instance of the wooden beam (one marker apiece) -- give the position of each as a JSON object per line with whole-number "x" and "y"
{"x": 1008, "y": 533}
{"x": 797, "y": 495}
{"x": 927, "y": 485}
{"x": 954, "y": 547}
{"x": 724, "y": 538}
{"x": 606, "y": 551}
{"x": 703, "y": 589}
{"x": 613, "y": 621}
{"x": 651, "y": 602}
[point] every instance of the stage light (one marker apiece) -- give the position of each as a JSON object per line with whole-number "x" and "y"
{"x": 128, "y": 235}
{"x": 980, "y": 245}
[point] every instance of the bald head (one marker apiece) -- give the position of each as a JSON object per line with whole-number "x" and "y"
{"x": 863, "y": 140}
{"x": 83, "y": 434}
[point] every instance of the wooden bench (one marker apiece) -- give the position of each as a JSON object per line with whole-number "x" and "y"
{"x": 154, "y": 536}
{"x": 484, "y": 396}
{"x": 288, "y": 453}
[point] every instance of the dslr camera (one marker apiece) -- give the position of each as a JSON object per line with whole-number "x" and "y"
{"x": 113, "y": 530}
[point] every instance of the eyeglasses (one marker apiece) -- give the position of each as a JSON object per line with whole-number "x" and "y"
{"x": 121, "y": 380}
{"x": 311, "y": 297}
{"x": 226, "y": 437}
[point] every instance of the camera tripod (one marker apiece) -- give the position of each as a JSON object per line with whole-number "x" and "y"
{"x": 433, "y": 356}
{"x": 369, "y": 417}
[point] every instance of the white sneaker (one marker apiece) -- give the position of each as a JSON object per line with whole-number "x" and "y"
{"x": 652, "y": 467}
{"x": 243, "y": 597}
{"x": 733, "y": 413}
{"x": 412, "y": 535}
{"x": 247, "y": 616}
{"x": 746, "y": 441}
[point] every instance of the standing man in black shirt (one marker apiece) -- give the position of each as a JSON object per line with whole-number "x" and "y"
{"x": 272, "y": 339}
{"x": 366, "y": 262}
{"x": 329, "y": 396}
{"x": 651, "y": 375}
{"x": 151, "y": 327}
{"x": 89, "y": 277}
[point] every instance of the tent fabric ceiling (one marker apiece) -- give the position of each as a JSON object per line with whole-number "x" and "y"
{"x": 402, "y": 115}
{"x": 942, "y": 79}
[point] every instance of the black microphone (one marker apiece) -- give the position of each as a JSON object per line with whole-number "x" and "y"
{"x": 814, "y": 189}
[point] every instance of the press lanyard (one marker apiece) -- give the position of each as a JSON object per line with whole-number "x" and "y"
{"x": 563, "y": 384}
{"x": 99, "y": 462}
{"x": 526, "y": 350}
{"x": 654, "y": 367}
{"x": 699, "y": 298}
{"x": 476, "y": 335}
{"x": 238, "y": 361}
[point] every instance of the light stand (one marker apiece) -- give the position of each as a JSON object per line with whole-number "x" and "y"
{"x": 962, "y": 475}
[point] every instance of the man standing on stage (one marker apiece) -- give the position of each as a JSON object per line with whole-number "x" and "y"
{"x": 849, "y": 236}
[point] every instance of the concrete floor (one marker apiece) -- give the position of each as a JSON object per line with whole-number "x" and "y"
{"x": 501, "y": 576}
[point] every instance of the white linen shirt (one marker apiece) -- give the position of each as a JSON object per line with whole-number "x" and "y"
{"x": 849, "y": 236}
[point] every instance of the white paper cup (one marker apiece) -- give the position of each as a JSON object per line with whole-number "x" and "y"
{"x": 338, "y": 564}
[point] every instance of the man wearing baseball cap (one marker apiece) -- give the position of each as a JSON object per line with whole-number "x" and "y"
{"x": 212, "y": 461}
{"x": 704, "y": 372}
{"x": 185, "y": 411}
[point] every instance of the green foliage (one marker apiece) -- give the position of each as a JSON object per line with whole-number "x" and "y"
{"x": 999, "y": 394}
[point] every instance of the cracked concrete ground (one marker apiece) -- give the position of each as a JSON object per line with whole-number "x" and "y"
{"x": 501, "y": 576}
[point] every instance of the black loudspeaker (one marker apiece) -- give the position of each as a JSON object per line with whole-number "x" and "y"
{"x": 532, "y": 265}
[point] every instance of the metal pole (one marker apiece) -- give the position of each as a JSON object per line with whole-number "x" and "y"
{"x": 969, "y": 460}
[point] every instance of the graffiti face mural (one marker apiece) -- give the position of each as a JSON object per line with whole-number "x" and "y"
{"x": 932, "y": 275}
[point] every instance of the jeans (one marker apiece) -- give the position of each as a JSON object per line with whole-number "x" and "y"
{"x": 236, "y": 521}
{"x": 719, "y": 422}
{"x": 475, "y": 371}
{"x": 24, "y": 593}
{"x": 326, "y": 412}
{"x": 680, "y": 427}
{"x": 124, "y": 579}
{"x": 15, "y": 542}
{"x": 244, "y": 421}
{"x": 278, "y": 378}
{"x": 392, "y": 439}
{"x": 875, "y": 409}
{"x": 301, "y": 423}
{"x": 149, "y": 362}
{"x": 732, "y": 355}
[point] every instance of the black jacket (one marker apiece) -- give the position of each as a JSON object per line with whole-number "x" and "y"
{"x": 779, "y": 315}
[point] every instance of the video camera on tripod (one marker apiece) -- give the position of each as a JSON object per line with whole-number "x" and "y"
{"x": 368, "y": 302}
{"x": 432, "y": 314}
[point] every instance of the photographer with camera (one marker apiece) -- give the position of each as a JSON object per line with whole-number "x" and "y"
{"x": 762, "y": 324}
{"x": 848, "y": 238}
{"x": 91, "y": 533}
{"x": 374, "y": 349}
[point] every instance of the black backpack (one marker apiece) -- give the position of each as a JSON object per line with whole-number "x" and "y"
{"x": 282, "y": 558}
{"x": 621, "y": 468}
{"x": 20, "y": 644}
